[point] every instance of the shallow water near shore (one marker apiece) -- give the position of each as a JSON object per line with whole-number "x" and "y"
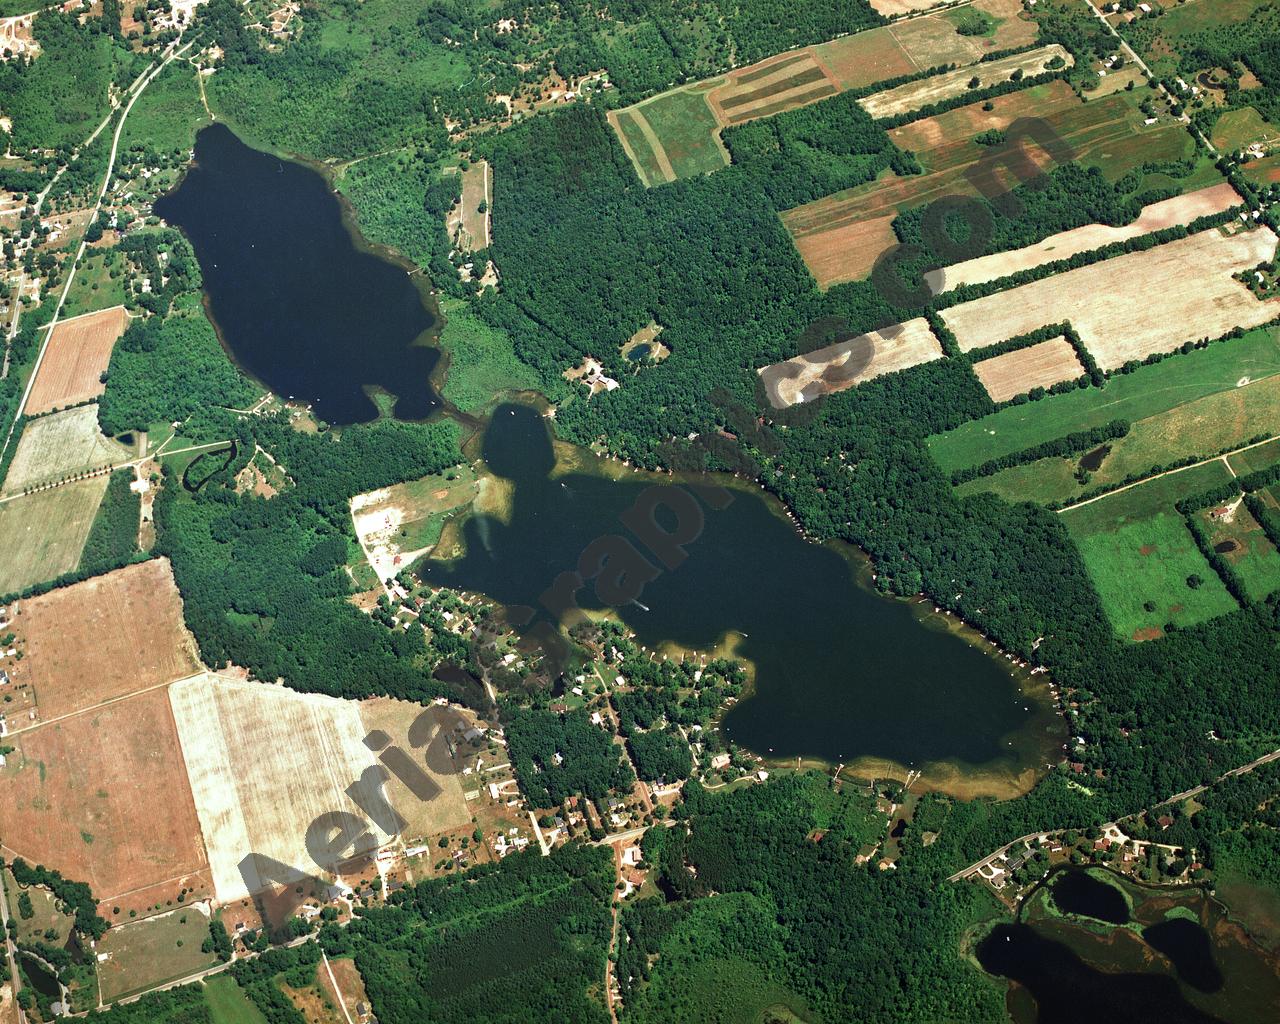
{"x": 841, "y": 674}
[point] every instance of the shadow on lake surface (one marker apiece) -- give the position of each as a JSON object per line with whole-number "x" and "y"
{"x": 297, "y": 302}
{"x": 841, "y": 672}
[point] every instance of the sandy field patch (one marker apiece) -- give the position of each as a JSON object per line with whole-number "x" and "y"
{"x": 848, "y": 363}
{"x": 949, "y": 84}
{"x": 933, "y": 41}
{"x": 1131, "y": 306}
{"x": 889, "y": 8}
{"x": 60, "y": 445}
{"x": 103, "y": 797}
{"x": 265, "y": 763}
{"x": 101, "y": 639}
{"x": 425, "y": 734}
{"x": 1166, "y": 214}
{"x": 43, "y": 534}
{"x": 78, "y": 353}
{"x": 1038, "y": 366}
{"x": 396, "y": 525}
{"x": 473, "y": 224}
{"x": 848, "y": 252}
{"x": 350, "y": 984}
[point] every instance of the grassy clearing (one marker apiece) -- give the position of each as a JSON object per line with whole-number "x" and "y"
{"x": 641, "y": 152}
{"x": 228, "y": 1004}
{"x": 1238, "y": 129}
{"x": 167, "y": 116}
{"x": 45, "y": 914}
{"x": 1138, "y": 551}
{"x": 1251, "y": 554}
{"x": 1144, "y": 572}
{"x": 1256, "y": 458}
{"x": 482, "y": 360}
{"x": 93, "y": 287}
{"x": 151, "y": 952}
{"x": 1207, "y": 425}
{"x": 1147, "y": 392}
{"x": 42, "y": 535}
{"x": 687, "y": 130}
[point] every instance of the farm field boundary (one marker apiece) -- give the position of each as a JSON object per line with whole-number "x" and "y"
{"x": 78, "y": 354}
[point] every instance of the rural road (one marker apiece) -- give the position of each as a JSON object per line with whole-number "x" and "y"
{"x": 8, "y": 947}
{"x": 1244, "y": 769}
{"x": 1169, "y": 472}
{"x": 139, "y": 86}
{"x": 1133, "y": 56}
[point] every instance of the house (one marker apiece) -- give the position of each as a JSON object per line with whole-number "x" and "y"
{"x": 720, "y": 761}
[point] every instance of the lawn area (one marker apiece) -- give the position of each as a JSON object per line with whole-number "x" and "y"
{"x": 1140, "y": 555}
{"x": 44, "y": 909}
{"x": 93, "y": 287}
{"x": 1146, "y": 392}
{"x": 1256, "y": 458}
{"x": 228, "y": 1004}
{"x": 686, "y": 128}
{"x": 1228, "y": 419}
{"x": 482, "y": 360}
{"x": 142, "y": 954}
{"x": 1248, "y": 549}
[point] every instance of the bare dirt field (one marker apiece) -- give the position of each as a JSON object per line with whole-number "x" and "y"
{"x": 1038, "y": 366}
{"x": 102, "y": 796}
{"x": 350, "y": 984}
{"x": 414, "y": 729}
{"x": 265, "y": 763}
{"x": 43, "y": 534}
{"x": 1166, "y": 214}
{"x": 1104, "y": 132}
{"x": 847, "y": 363}
{"x": 846, "y": 253}
{"x": 935, "y": 89}
{"x": 781, "y": 83}
{"x": 101, "y": 639}
{"x": 78, "y": 353}
{"x": 1131, "y": 306}
{"x": 395, "y": 525}
{"x": 60, "y": 445}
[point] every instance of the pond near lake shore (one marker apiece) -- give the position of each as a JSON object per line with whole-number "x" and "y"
{"x": 841, "y": 673}
{"x": 300, "y": 301}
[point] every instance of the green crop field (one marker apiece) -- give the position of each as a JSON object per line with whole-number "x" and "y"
{"x": 1201, "y": 428}
{"x": 228, "y": 1004}
{"x": 1251, "y": 552}
{"x": 1145, "y": 392}
{"x": 1139, "y": 552}
{"x": 687, "y": 129}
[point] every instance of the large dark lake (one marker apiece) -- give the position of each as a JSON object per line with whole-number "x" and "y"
{"x": 298, "y": 301}
{"x": 841, "y": 672}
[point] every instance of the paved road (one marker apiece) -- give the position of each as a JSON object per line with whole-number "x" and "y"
{"x": 1184, "y": 795}
{"x": 139, "y": 86}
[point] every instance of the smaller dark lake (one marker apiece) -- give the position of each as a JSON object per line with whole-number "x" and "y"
{"x": 1067, "y": 990}
{"x": 1187, "y": 944}
{"x": 1076, "y": 892}
{"x": 1093, "y": 460}
{"x": 299, "y": 301}
{"x": 42, "y": 980}
{"x": 205, "y": 466}
{"x": 640, "y": 353}
{"x": 1223, "y": 546}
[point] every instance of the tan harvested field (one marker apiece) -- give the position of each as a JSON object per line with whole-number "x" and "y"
{"x": 78, "y": 353}
{"x": 1107, "y": 132}
{"x": 43, "y": 534}
{"x": 846, "y": 253}
{"x": 350, "y": 984}
{"x": 949, "y": 84}
{"x": 1038, "y": 366}
{"x": 1166, "y": 214}
{"x": 1131, "y": 306}
{"x": 102, "y": 796}
{"x": 101, "y": 639}
{"x": 265, "y": 763}
{"x": 414, "y": 729}
{"x": 476, "y": 189}
{"x": 780, "y": 83}
{"x": 60, "y": 445}
{"x": 848, "y": 363}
